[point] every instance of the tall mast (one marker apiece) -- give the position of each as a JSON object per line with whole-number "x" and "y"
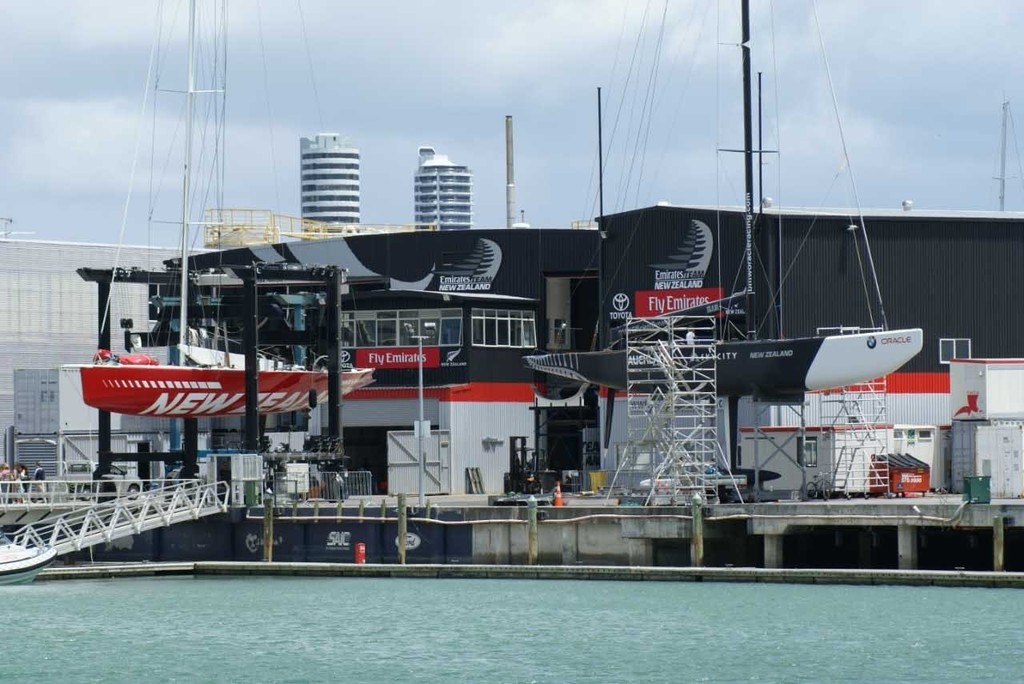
{"x": 748, "y": 172}
{"x": 1002, "y": 159}
{"x": 186, "y": 183}
{"x": 600, "y": 160}
{"x": 510, "y": 176}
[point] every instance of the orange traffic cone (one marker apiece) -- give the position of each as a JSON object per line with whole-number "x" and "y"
{"x": 558, "y": 495}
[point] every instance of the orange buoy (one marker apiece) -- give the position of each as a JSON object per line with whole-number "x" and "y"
{"x": 558, "y": 495}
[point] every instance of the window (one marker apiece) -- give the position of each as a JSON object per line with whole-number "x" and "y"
{"x": 807, "y": 451}
{"x": 954, "y": 348}
{"x": 439, "y": 327}
{"x": 500, "y": 328}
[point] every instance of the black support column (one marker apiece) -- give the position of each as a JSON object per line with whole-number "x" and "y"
{"x": 103, "y": 436}
{"x": 334, "y": 285}
{"x": 250, "y": 316}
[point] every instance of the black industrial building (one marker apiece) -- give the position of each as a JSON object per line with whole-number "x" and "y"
{"x": 951, "y": 274}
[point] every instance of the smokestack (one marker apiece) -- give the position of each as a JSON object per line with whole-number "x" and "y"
{"x": 510, "y": 177}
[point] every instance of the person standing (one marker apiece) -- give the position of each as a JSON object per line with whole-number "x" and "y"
{"x": 19, "y": 476}
{"x": 5, "y": 482}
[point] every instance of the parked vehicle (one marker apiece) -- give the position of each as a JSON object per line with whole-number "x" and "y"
{"x": 116, "y": 481}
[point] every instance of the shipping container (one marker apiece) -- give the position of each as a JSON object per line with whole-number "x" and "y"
{"x": 986, "y": 389}
{"x": 999, "y": 456}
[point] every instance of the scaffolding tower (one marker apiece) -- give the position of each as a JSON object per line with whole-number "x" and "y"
{"x": 859, "y": 419}
{"x": 672, "y": 409}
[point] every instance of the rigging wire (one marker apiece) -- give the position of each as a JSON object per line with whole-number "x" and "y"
{"x": 309, "y": 61}
{"x": 853, "y": 180}
{"x": 624, "y": 179}
{"x": 777, "y": 295}
{"x": 266, "y": 93}
{"x": 647, "y": 111}
{"x": 131, "y": 175}
{"x": 1016, "y": 148}
{"x": 593, "y": 203}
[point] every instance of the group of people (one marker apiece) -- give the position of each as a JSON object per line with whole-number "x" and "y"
{"x": 14, "y": 482}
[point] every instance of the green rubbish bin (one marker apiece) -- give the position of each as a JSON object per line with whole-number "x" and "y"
{"x": 978, "y": 489}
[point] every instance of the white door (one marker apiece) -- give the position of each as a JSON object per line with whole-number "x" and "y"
{"x": 404, "y": 464}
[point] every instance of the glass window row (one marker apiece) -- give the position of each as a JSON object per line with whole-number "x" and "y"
{"x": 330, "y": 155}
{"x": 502, "y": 328}
{"x": 329, "y": 176}
{"x": 325, "y": 165}
{"x": 340, "y": 187}
{"x": 400, "y": 328}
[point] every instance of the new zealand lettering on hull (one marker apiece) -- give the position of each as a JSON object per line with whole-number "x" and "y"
{"x": 191, "y": 392}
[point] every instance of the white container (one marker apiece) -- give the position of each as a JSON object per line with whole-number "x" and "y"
{"x": 986, "y": 389}
{"x": 1000, "y": 455}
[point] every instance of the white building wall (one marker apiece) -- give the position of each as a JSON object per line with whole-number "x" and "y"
{"x": 480, "y": 434}
{"x": 49, "y": 313}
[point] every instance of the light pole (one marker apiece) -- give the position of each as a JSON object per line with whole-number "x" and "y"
{"x": 419, "y": 425}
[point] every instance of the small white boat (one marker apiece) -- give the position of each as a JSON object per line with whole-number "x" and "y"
{"x": 20, "y": 564}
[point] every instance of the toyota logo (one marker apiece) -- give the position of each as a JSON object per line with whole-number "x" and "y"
{"x": 872, "y": 342}
{"x": 346, "y": 356}
{"x": 620, "y": 302}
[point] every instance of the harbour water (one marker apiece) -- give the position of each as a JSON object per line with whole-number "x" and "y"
{"x": 278, "y": 629}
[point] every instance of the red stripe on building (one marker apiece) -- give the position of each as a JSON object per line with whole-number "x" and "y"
{"x": 474, "y": 391}
{"x": 918, "y": 383}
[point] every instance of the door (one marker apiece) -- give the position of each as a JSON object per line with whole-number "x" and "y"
{"x": 404, "y": 465}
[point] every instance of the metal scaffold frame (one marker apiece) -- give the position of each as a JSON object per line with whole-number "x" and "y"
{"x": 672, "y": 409}
{"x": 858, "y": 416}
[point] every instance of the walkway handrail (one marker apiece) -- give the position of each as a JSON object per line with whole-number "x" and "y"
{"x": 126, "y": 516}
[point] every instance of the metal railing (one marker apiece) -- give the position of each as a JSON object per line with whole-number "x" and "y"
{"x": 324, "y": 486}
{"x": 124, "y": 516}
{"x": 50, "y": 493}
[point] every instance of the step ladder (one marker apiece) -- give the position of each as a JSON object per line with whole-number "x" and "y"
{"x": 475, "y": 481}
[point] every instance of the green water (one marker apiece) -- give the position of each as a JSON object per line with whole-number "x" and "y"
{"x": 408, "y": 630}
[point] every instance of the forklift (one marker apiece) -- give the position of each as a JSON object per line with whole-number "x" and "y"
{"x": 527, "y": 476}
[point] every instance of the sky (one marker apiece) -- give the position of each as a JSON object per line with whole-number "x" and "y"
{"x": 864, "y": 103}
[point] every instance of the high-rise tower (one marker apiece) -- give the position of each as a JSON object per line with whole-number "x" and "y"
{"x": 443, "y": 192}
{"x": 330, "y": 179}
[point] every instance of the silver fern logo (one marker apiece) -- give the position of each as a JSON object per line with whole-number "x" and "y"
{"x": 451, "y": 356}
{"x": 471, "y": 270}
{"x": 686, "y": 267}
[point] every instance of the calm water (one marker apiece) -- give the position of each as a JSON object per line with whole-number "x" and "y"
{"x": 397, "y": 630}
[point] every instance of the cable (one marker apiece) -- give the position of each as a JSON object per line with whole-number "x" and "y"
{"x": 853, "y": 180}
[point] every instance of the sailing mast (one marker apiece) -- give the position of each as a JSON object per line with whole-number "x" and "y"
{"x": 186, "y": 183}
{"x": 748, "y": 172}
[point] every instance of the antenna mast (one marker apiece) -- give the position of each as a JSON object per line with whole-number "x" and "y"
{"x": 1002, "y": 159}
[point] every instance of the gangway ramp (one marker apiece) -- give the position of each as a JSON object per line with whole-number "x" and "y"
{"x": 125, "y": 516}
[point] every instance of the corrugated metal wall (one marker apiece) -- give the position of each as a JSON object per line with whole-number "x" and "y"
{"x": 480, "y": 434}
{"x": 49, "y": 312}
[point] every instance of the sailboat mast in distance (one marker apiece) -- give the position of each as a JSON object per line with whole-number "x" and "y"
{"x": 748, "y": 173}
{"x": 186, "y": 184}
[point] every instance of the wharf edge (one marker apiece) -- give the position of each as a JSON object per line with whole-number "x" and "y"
{"x": 939, "y": 578}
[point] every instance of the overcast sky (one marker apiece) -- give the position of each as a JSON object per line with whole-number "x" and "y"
{"x": 919, "y": 87}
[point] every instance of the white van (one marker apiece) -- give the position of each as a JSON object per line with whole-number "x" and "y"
{"x": 118, "y": 481}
